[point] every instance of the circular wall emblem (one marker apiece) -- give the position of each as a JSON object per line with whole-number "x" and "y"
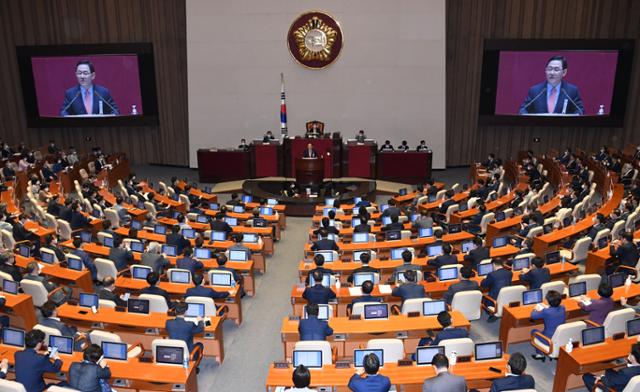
{"x": 315, "y": 39}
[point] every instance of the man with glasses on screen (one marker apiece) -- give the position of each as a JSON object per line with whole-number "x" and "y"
{"x": 86, "y": 97}
{"x": 554, "y": 95}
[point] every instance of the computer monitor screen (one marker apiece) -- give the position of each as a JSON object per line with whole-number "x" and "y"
{"x": 355, "y": 222}
{"x": 189, "y": 233}
{"x": 24, "y": 251}
{"x": 633, "y": 327}
{"x": 218, "y": 236}
{"x": 323, "y": 312}
{"x": 325, "y": 211}
{"x": 202, "y": 253}
{"x": 396, "y": 253}
{"x": 247, "y": 198}
{"x": 231, "y": 221}
{"x": 220, "y": 279}
{"x": 63, "y": 343}
{"x": 136, "y": 225}
{"x": 238, "y": 209}
{"x": 9, "y": 286}
{"x": 169, "y": 355}
{"x": 85, "y": 236}
{"x": 88, "y": 300}
{"x": 424, "y": 355}
{"x": 520, "y": 263}
{"x": 326, "y": 280}
{"x": 592, "y": 336}
{"x": 432, "y": 308}
{"x": 414, "y": 217}
{"x": 386, "y": 220}
{"x": 74, "y": 264}
{"x": 616, "y": 280}
{"x": 46, "y": 257}
{"x": 485, "y": 269}
{"x": 13, "y": 337}
{"x": 402, "y": 191}
{"x": 552, "y": 257}
{"x": 462, "y": 207}
{"x": 272, "y": 202}
{"x": 360, "y": 237}
{"x": 455, "y": 228}
{"x": 112, "y": 350}
{"x": 603, "y": 242}
{"x": 194, "y": 310}
{"x": 266, "y": 211}
{"x": 358, "y": 356}
{"x": 137, "y": 305}
{"x": 383, "y": 207}
{"x": 202, "y": 219}
{"x": 361, "y": 277}
{"x": 108, "y": 242}
{"x": 136, "y": 246}
{"x": 160, "y": 229}
{"x": 531, "y": 297}
{"x": 425, "y": 232}
{"x": 214, "y": 206}
{"x": 328, "y": 255}
{"x": 329, "y": 201}
{"x": 577, "y": 289}
{"x": 376, "y": 311}
{"x": 357, "y": 200}
{"x": 358, "y": 253}
{"x": 308, "y": 358}
{"x": 491, "y": 350}
{"x": 434, "y": 250}
{"x": 500, "y": 242}
{"x": 180, "y": 277}
{"x": 393, "y": 235}
{"x": 140, "y": 273}
{"x": 250, "y": 238}
{"x": 447, "y": 273}
{"x": 238, "y": 255}
{"x": 169, "y": 250}
{"x": 467, "y": 246}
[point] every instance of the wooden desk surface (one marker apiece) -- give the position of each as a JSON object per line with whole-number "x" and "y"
{"x": 81, "y": 278}
{"x": 406, "y": 242}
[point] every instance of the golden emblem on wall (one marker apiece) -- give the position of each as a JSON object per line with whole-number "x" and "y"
{"x": 315, "y": 39}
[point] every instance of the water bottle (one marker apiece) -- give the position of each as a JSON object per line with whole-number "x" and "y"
{"x": 601, "y": 110}
{"x": 134, "y": 111}
{"x": 627, "y": 282}
{"x": 563, "y": 260}
{"x": 100, "y": 111}
{"x": 233, "y": 283}
{"x": 185, "y": 364}
{"x": 337, "y": 284}
{"x": 569, "y": 346}
{"x": 454, "y": 358}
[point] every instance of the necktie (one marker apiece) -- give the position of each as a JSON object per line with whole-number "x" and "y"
{"x": 87, "y": 102}
{"x": 551, "y": 100}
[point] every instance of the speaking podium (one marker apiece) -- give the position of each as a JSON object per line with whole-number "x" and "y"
{"x": 309, "y": 171}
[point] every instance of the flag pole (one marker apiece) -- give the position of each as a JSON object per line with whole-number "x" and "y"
{"x": 283, "y": 109}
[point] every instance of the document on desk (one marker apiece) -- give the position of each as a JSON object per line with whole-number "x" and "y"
{"x": 355, "y": 291}
{"x": 384, "y": 289}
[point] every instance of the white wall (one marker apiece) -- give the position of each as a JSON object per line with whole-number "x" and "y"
{"x": 389, "y": 79}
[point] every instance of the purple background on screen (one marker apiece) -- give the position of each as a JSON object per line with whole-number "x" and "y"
{"x": 118, "y": 73}
{"x": 593, "y": 72}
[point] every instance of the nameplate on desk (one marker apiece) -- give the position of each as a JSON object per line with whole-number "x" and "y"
{"x": 618, "y": 336}
{"x": 405, "y": 362}
{"x": 466, "y": 358}
{"x": 355, "y": 317}
{"x": 281, "y": 365}
{"x": 294, "y": 318}
{"x": 514, "y": 304}
{"x": 343, "y": 364}
{"x": 413, "y": 314}
{"x": 120, "y": 309}
{"x": 340, "y": 337}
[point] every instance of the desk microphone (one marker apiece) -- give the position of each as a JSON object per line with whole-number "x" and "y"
{"x": 534, "y": 99}
{"x": 113, "y": 110}
{"x": 574, "y": 104}
{"x": 69, "y": 104}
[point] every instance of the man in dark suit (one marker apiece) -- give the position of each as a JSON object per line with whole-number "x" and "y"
{"x": 364, "y": 259}
{"x": 310, "y": 152}
{"x": 65, "y": 210}
{"x": 7, "y": 265}
{"x": 476, "y": 255}
{"x": 33, "y": 273}
{"x": 92, "y": 373}
{"x": 121, "y": 256}
{"x": 554, "y": 95}
{"x": 447, "y": 332}
{"x": 30, "y": 366}
{"x": 444, "y": 381}
{"x": 218, "y": 224}
{"x": 370, "y": 380}
{"x": 537, "y": 276}
{"x": 318, "y": 294}
{"x": 189, "y": 263}
{"x": 598, "y": 224}
{"x": 86, "y": 97}
{"x": 445, "y": 259}
{"x": 78, "y": 220}
{"x": 200, "y": 291}
{"x": 465, "y": 284}
{"x": 325, "y": 224}
{"x": 394, "y": 225}
{"x": 50, "y": 319}
{"x": 448, "y": 202}
{"x": 410, "y": 289}
{"x": 86, "y": 259}
{"x": 318, "y": 260}
{"x": 617, "y": 379}
{"x": 152, "y": 279}
{"x": 312, "y": 328}
{"x": 552, "y": 316}
{"x": 176, "y": 239}
{"x": 106, "y": 292}
{"x": 391, "y": 210}
{"x": 515, "y": 377}
{"x": 495, "y": 281}
{"x": 367, "y": 289}
{"x": 399, "y": 271}
{"x": 221, "y": 259}
{"x": 624, "y": 252}
{"x": 324, "y": 243}
{"x": 181, "y": 329}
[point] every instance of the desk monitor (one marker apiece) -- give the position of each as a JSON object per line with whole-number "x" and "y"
{"x": 116, "y": 351}
{"x": 499, "y": 242}
{"x": 202, "y": 253}
{"x": 592, "y": 336}
{"x": 633, "y": 327}
{"x": 358, "y": 356}
{"x": 454, "y": 228}
{"x": 231, "y": 221}
{"x": 360, "y": 237}
{"x": 46, "y": 257}
{"x": 309, "y": 358}
{"x": 74, "y": 264}
{"x": 13, "y": 337}
{"x": 433, "y": 308}
{"x": 393, "y": 235}
{"x": 108, "y": 242}
{"x": 383, "y": 207}
{"x": 520, "y": 263}
{"x": 266, "y": 211}
{"x": 136, "y": 246}
{"x": 180, "y": 277}
{"x": 376, "y": 312}
{"x": 218, "y": 236}
{"x": 485, "y": 269}
{"x": 137, "y": 305}
{"x": 500, "y": 216}
{"x": 355, "y": 222}
{"x": 260, "y": 222}
{"x": 467, "y": 246}
{"x": 328, "y": 201}
{"x": 531, "y": 297}
{"x": 247, "y": 198}
{"x": 238, "y": 209}
{"x": 136, "y": 225}
{"x": 9, "y": 286}
{"x": 424, "y": 355}
{"x": 327, "y": 254}
{"x": 24, "y": 251}
{"x": 447, "y": 273}
{"x": 250, "y": 238}
{"x": 402, "y": 191}
{"x": 214, "y": 206}
{"x": 616, "y": 280}
{"x": 169, "y": 250}
{"x": 326, "y": 280}
{"x": 325, "y": 211}
{"x": 220, "y": 279}
{"x": 360, "y": 277}
{"x": 552, "y": 257}
{"x": 463, "y": 206}
{"x": 140, "y": 273}
{"x": 386, "y": 220}
{"x": 492, "y": 350}
{"x": 85, "y": 236}
{"x": 238, "y": 255}
{"x": 414, "y": 217}
{"x": 603, "y": 242}
{"x": 432, "y": 198}
{"x": 160, "y": 229}
{"x": 396, "y": 253}
{"x": 323, "y": 312}
{"x": 272, "y": 202}
{"x": 189, "y": 233}
{"x": 329, "y": 236}
{"x": 425, "y": 232}
{"x": 169, "y": 355}
{"x": 434, "y": 250}
{"x": 194, "y": 310}
{"x": 63, "y": 343}
{"x": 202, "y": 219}
{"x": 577, "y": 289}
{"x": 357, "y": 200}
{"x": 88, "y": 300}
{"x": 358, "y": 253}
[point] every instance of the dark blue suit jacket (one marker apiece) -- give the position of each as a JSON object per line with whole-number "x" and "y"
{"x": 408, "y": 291}
{"x": 443, "y": 260}
{"x": 536, "y": 277}
{"x": 552, "y": 318}
{"x": 189, "y": 264}
{"x": 179, "y": 328}
{"x": 462, "y": 285}
{"x": 618, "y": 379}
{"x": 536, "y": 99}
{"x": 375, "y": 383}
{"x": 313, "y": 329}
{"x": 510, "y": 383}
{"x": 200, "y": 291}
{"x": 78, "y": 221}
{"x": 155, "y": 290}
{"x": 318, "y": 294}
{"x": 496, "y": 280}
{"x": 30, "y": 366}
{"x": 74, "y": 102}
{"x": 447, "y": 333}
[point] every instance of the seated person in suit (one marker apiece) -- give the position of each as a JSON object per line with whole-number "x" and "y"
{"x": 554, "y": 95}
{"x": 120, "y": 254}
{"x": 370, "y": 380}
{"x": 268, "y": 137}
{"x": 60, "y": 296}
{"x": 403, "y": 146}
{"x": 154, "y": 259}
{"x": 448, "y": 332}
{"x": 386, "y": 146}
{"x": 445, "y": 259}
{"x": 50, "y": 319}
{"x": 443, "y": 381}
{"x": 495, "y": 281}
{"x": 394, "y": 225}
{"x": 125, "y": 218}
{"x": 617, "y": 379}
{"x": 152, "y": 280}
{"x": 312, "y": 328}
{"x": 218, "y": 224}
{"x": 422, "y": 146}
{"x": 243, "y": 145}
{"x": 367, "y": 289}
{"x": 301, "y": 380}
{"x": 92, "y": 374}
{"x": 325, "y": 224}
{"x": 199, "y": 291}
{"x": 536, "y": 276}
{"x": 364, "y": 259}
{"x": 8, "y": 265}
{"x": 392, "y": 210}
{"x": 221, "y": 259}
{"x": 318, "y": 260}
{"x": 30, "y": 366}
{"x": 438, "y": 241}
{"x": 477, "y": 254}
{"x": 318, "y": 294}
{"x": 238, "y": 245}
{"x": 515, "y": 377}
{"x": 87, "y": 261}
{"x": 324, "y": 243}
{"x": 106, "y": 292}
{"x": 598, "y": 224}
{"x": 624, "y": 252}
{"x": 361, "y": 137}
{"x": 189, "y": 263}
{"x": 398, "y": 272}
{"x": 410, "y": 289}
{"x": 363, "y": 227}
{"x": 176, "y": 239}
{"x": 78, "y": 220}
{"x": 310, "y": 152}
{"x": 598, "y": 309}
{"x": 552, "y": 316}
{"x": 465, "y": 284}
{"x": 181, "y": 329}
{"x": 424, "y": 221}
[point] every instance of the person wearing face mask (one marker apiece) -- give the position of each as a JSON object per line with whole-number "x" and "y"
{"x": 617, "y": 379}
{"x": 87, "y": 98}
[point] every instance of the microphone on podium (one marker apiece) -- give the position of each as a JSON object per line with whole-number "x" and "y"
{"x": 71, "y": 102}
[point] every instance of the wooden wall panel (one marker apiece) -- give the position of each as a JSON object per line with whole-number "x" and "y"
{"x": 59, "y": 22}
{"x": 469, "y": 22}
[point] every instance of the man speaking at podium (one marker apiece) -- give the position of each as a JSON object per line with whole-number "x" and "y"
{"x": 86, "y": 97}
{"x": 309, "y": 152}
{"x": 553, "y": 96}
